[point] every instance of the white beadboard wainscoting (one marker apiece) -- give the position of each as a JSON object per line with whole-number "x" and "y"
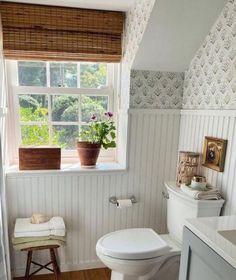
{"x": 83, "y": 199}
{"x": 195, "y": 125}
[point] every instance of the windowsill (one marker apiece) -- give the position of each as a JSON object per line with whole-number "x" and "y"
{"x": 111, "y": 167}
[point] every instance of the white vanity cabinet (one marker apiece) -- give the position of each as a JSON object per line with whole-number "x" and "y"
{"x": 200, "y": 262}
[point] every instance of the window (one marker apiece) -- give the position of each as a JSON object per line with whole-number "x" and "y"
{"x": 52, "y": 101}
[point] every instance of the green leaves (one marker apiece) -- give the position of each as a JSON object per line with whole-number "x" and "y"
{"x": 111, "y": 144}
{"x": 102, "y": 132}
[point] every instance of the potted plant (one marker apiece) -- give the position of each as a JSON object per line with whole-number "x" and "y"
{"x": 99, "y": 133}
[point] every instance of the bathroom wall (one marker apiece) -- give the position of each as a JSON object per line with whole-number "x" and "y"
{"x": 210, "y": 81}
{"x": 83, "y": 198}
{"x": 135, "y": 25}
{"x": 156, "y": 90}
{"x": 4, "y": 256}
{"x": 210, "y": 100}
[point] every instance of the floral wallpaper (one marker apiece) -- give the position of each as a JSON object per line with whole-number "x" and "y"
{"x": 136, "y": 22}
{"x": 156, "y": 90}
{"x": 210, "y": 81}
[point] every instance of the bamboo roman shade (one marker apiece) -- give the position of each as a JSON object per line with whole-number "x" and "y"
{"x": 60, "y": 33}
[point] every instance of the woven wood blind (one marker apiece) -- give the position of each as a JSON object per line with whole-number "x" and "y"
{"x": 60, "y": 33}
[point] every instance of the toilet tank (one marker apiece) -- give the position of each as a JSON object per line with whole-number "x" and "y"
{"x": 181, "y": 207}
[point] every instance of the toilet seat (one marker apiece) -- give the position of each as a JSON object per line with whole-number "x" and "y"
{"x": 132, "y": 244}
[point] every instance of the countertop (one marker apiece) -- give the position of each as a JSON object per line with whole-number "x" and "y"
{"x": 207, "y": 229}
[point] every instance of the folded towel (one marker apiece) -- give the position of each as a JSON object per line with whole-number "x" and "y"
{"x": 32, "y": 233}
{"x": 57, "y": 223}
{"x": 39, "y": 219}
{"x": 24, "y": 228}
{"x": 210, "y": 194}
{"x": 21, "y": 240}
{"x": 38, "y": 244}
{"x": 40, "y": 233}
{"x": 24, "y": 225}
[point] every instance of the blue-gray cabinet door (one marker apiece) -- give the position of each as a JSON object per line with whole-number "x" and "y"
{"x": 200, "y": 262}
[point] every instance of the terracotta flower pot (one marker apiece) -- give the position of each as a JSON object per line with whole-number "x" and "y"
{"x": 88, "y": 153}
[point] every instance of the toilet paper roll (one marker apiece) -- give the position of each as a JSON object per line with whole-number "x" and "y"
{"x": 123, "y": 203}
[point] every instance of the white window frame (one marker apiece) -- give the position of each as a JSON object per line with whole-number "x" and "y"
{"x": 14, "y": 123}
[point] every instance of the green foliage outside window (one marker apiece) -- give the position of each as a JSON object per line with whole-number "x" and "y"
{"x": 93, "y": 75}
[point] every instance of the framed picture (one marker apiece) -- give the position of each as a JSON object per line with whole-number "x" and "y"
{"x": 214, "y": 153}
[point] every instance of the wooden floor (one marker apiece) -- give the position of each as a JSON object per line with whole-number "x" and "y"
{"x": 91, "y": 274}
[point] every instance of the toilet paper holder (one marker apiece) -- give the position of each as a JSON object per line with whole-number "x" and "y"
{"x": 113, "y": 199}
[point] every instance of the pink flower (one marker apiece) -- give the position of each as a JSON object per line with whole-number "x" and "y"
{"x": 108, "y": 114}
{"x": 93, "y": 117}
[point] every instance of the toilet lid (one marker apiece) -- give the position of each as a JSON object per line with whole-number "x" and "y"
{"x": 132, "y": 244}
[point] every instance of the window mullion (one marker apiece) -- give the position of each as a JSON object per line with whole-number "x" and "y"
{"x": 79, "y": 97}
{"x": 63, "y": 123}
{"x": 78, "y": 75}
{"x": 49, "y": 104}
{"x": 50, "y": 130}
{"x": 79, "y": 112}
{"x": 33, "y": 123}
{"x": 48, "y": 73}
{"x": 62, "y": 72}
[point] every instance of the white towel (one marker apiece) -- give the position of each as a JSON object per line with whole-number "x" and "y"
{"x": 25, "y": 225}
{"x": 32, "y": 233}
{"x": 210, "y": 194}
{"x": 24, "y": 228}
{"x": 57, "y": 223}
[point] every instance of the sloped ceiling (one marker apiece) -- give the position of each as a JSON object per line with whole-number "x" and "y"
{"x": 116, "y": 5}
{"x": 175, "y": 31}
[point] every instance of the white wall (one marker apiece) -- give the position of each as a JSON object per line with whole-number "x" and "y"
{"x": 174, "y": 32}
{"x": 83, "y": 200}
{"x": 152, "y": 152}
{"x": 195, "y": 125}
{"x": 135, "y": 25}
{"x": 4, "y": 254}
{"x": 210, "y": 83}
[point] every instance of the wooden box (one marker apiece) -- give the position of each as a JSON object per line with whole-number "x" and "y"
{"x": 39, "y": 158}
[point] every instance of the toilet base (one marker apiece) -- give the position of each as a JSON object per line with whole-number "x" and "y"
{"x": 167, "y": 268}
{"x": 119, "y": 276}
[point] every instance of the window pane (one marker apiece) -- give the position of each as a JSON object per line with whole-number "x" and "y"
{"x": 65, "y": 136}
{"x": 64, "y": 108}
{"x": 63, "y": 74}
{"x": 97, "y": 105}
{"x": 33, "y": 107}
{"x": 32, "y": 73}
{"x": 34, "y": 134}
{"x": 93, "y": 75}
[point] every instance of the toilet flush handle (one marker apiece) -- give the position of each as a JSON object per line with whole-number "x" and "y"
{"x": 165, "y": 195}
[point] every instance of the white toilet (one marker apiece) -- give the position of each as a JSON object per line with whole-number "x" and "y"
{"x": 138, "y": 253}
